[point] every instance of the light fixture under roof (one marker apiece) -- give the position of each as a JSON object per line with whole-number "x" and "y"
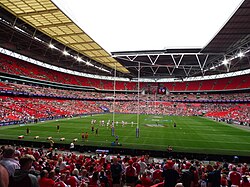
{"x": 79, "y": 59}
{"x": 89, "y": 64}
{"x": 65, "y": 53}
{"x": 51, "y": 46}
{"x": 240, "y": 54}
{"x": 225, "y": 62}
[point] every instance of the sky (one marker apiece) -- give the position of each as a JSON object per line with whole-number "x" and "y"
{"x": 132, "y": 25}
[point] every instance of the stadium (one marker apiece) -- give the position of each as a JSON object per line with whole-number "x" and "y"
{"x": 58, "y": 86}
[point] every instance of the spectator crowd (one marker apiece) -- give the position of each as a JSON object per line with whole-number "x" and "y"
{"x": 23, "y": 166}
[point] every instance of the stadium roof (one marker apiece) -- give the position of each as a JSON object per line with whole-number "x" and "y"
{"x": 27, "y": 27}
{"x": 227, "y": 52}
{"x": 48, "y": 19}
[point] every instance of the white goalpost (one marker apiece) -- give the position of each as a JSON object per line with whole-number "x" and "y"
{"x": 137, "y": 131}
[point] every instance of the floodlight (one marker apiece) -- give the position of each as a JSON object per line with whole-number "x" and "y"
{"x": 225, "y": 62}
{"x": 79, "y": 59}
{"x": 240, "y": 54}
{"x": 65, "y": 53}
{"x": 51, "y": 46}
{"x": 88, "y": 63}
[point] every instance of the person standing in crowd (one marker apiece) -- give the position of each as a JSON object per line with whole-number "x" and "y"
{"x": 170, "y": 175}
{"x": 44, "y": 180}
{"x": 157, "y": 173}
{"x": 187, "y": 177}
{"x": 143, "y": 165}
{"x": 116, "y": 172}
{"x": 73, "y": 180}
{"x": 104, "y": 179}
{"x": 213, "y": 176}
{"x": 61, "y": 164}
{"x": 245, "y": 182}
{"x": 22, "y": 177}
{"x": 4, "y": 177}
{"x": 9, "y": 161}
{"x": 234, "y": 177}
{"x": 61, "y": 181}
{"x": 130, "y": 173}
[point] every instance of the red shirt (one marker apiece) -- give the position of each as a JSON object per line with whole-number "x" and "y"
{"x": 235, "y": 178}
{"x": 146, "y": 181}
{"x": 60, "y": 184}
{"x": 46, "y": 182}
{"x": 137, "y": 167}
{"x": 223, "y": 181}
{"x": 72, "y": 181}
{"x": 245, "y": 184}
{"x": 157, "y": 174}
{"x": 130, "y": 171}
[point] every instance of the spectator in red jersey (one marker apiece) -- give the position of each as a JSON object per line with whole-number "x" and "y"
{"x": 244, "y": 168}
{"x": 39, "y": 165}
{"x": 52, "y": 175}
{"x": 61, "y": 181}
{"x": 44, "y": 181}
{"x": 36, "y": 154}
{"x": 94, "y": 180}
{"x": 73, "y": 180}
{"x": 223, "y": 181}
{"x": 245, "y": 182}
{"x": 136, "y": 165}
{"x": 157, "y": 174}
{"x": 138, "y": 183}
{"x": 130, "y": 173}
{"x": 234, "y": 177}
{"x": 146, "y": 181}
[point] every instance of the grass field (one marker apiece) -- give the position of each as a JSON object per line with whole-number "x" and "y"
{"x": 192, "y": 134}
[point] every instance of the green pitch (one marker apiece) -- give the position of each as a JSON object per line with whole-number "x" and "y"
{"x": 192, "y": 134}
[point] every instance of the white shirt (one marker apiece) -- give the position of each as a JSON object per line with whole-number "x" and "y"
{"x": 72, "y": 145}
{"x": 10, "y": 164}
